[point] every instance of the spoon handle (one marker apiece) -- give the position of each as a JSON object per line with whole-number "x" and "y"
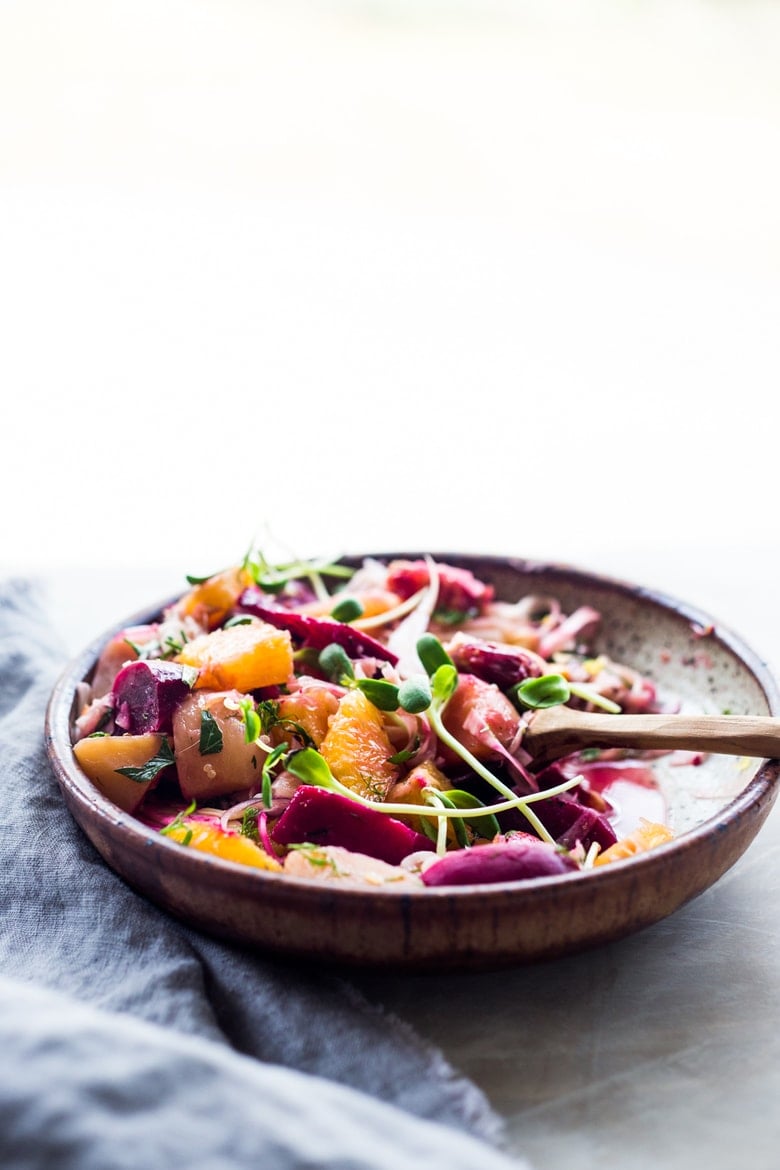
{"x": 558, "y": 731}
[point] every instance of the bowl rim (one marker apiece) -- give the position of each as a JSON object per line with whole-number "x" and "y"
{"x": 762, "y": 786}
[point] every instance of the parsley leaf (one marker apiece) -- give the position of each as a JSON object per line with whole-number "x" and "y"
{"x": 151, "y": 768}
{"x": 210, "y": 735}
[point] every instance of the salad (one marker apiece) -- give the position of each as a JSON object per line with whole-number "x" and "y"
{"x": 365, "y": 726}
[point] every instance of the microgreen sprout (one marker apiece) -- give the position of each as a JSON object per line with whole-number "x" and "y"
{"x": 434, "y": 797}
{"x": 310, "y": 767}
{"x": 336, "y": 664}
{"x": 347, "y": 610}
{"x": 380, "y": 692}
{"x": 273, "y": 578}
{"x": 191, "y": 579}
{"x": 590, "y": 695}
{"x": 452, "y": 617}
{"x": 252, "y": 723}
{"x": 271, "y": 761}
{"x": 444, "y": 681}
{"x": 414, "y": 695}
{"x": 550, "y": 690}
{"x": 432, "y": 654}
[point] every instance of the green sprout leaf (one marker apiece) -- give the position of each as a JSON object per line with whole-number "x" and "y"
{"x": 452, "y": 617}
{"x": 347, "y": 610}
{"x": 272, "y": 759}
{"x": 432, "y": 654}
{"x": 310, "y": 767}
{"x": 485, "y": 825}
{"x": 151, "y": 768}
{"x": 253, "y": 725}
{"x": 443, "y": 683}
{"x": 414, "y": 695}
{"x": 210, "y": 743}
{"x": 381, "y": 693}
{"x": 335, "y": 663}
{"x": 193, "y": 580}
{"x": 548, "y": 691}
{"x": 436, "y": 796}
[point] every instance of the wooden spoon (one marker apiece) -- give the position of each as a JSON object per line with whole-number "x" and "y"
{"x": 558, "y": 731}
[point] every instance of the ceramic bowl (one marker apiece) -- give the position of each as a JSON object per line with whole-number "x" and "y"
{"x": 715, "y": 810}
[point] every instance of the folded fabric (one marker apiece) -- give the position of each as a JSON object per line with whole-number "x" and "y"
{"x": 120, "y": 1020}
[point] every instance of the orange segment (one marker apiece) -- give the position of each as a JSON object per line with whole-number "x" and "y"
{"x": 311, "y": 709}
{"x": 647, "y": 836}
{"x": 357, "y": 747}
{"x": 228, "y": 846}
{"x": 240, "y": 657}
{"x": 210, "y": 602}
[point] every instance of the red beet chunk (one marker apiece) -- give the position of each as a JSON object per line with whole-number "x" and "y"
{"x": 503, "y": 665}
{"x": 505, "y": 861}
{"x": 327, "y": 818}
{"x": 459, "y": 589}
{"x": 145, "y": 695}
{"x": 317, "y": 632}
{"x": 568, "y": 822}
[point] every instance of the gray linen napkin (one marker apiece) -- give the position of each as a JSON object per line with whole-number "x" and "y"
{"x": 120, "y": 1020}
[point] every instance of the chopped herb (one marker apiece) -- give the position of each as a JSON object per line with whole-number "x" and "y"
{"x": 171, "y": 646}
{"x": 238, "y": 619}
{"x": 153, "y": 767}
{"x": 407, "y": 753}
{"x": 315, "y": 856}
{"x": 178, "y": 821}
{"x": 210, "y": 743}
{"x": 248, "y": 827}
{"x": 268, "y": 714}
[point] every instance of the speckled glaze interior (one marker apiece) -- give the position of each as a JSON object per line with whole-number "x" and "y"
{"x": 715, "y": 810}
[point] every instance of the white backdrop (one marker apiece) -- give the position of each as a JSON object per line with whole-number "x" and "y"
{"x": 494, "y": 277}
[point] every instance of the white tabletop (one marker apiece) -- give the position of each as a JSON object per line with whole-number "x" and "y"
{"x": 378, "y": 274}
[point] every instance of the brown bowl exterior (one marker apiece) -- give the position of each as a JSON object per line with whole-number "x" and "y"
{"x": 477, "y": 927}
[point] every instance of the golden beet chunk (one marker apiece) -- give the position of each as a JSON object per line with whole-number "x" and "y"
{"x": 100, "y": 756}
